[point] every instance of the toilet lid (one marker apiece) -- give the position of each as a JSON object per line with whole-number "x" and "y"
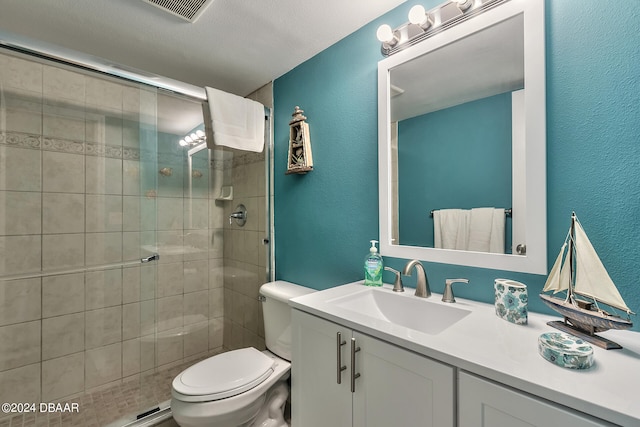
{"x": 224, "y": 375}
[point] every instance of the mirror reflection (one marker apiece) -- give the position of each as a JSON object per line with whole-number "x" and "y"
{"x": 451, "y": 126}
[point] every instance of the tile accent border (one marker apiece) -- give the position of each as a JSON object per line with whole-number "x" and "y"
{"x": 37, "y": 142}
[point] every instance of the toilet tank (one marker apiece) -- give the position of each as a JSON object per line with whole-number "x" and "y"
{"x": 277, "y": 315}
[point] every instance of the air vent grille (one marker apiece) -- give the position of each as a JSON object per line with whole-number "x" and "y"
{"x": 189, "y": 10}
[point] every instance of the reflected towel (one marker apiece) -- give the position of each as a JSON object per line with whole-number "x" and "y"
{"x": 236, "y": 122}
{"x": 451, "y": 228}
{"x": 486, "y": 230}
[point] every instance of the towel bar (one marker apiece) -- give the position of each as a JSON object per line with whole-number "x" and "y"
{"x": 507, "y": 212}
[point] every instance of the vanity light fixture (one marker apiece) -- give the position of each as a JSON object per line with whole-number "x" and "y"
{"x": 423, "y": 24}
{"x": 192, "y": 139}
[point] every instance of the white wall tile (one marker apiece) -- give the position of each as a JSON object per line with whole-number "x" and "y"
{"x": 62, "y": 172}
{"x": 60, "y": 251}
{"x": 131, "y": 357}
{"x": 169, "y": 313}
{"x": 62, "y": 294}
{"x": 103, "y": 288}
{"x": 62, "y": 213}
{"x": 103, "y": 365}
{"x": 59, "y": 83}
{"x": 22, "y": 169}
{"x": 22, "y": 74}
{"x": 131, "y": 284}
{"x": 170, "y": 279}
{"x": 20, "y": 345}
{"x": 22, "y": 111}
{"x": 103, "y": 175}
{"x": 62, "y": 335}
{"x": 19, "y": 254}
{"x": 19, "y": 301}
{"x": 62, "y": 377}
{"x": 196, "y": 338}
{"x": 103, "y": 327}
{"x": 170, "y": 346}
{"x": 131, "y": 317}
{"x": 104, "y": 213}
{"x": 103, "y": 248}
{"x": 196, "y": 307}
{"x": 196, "y": 275}
{"x": 21, "y": 384}
{"x": 63, "y": 121}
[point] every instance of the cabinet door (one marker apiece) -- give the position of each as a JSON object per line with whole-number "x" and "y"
{"x": 316, "y": 397}
{"x": 400, "y": 388}
{"x": 486, "y": 404}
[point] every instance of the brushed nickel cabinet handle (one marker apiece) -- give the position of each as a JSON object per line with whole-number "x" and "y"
{"x": 340, "y": 367}
{"x": 354, "y": 375}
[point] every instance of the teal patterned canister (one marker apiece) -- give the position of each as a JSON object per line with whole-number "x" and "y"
{"x": 511, "y": 301}
{"x": 565, "y": 350}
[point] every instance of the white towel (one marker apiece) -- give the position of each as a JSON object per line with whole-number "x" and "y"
{"x": 451, "y": 228}
{"x": 486, "y": 230}
{"x": 236, "y": 122}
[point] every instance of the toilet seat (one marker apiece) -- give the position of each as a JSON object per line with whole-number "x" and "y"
{"x": 224, "y": 375}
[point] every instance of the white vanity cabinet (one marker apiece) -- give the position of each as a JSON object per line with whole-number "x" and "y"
{"x": 395, "y": 387}
{"x": 482, "y": 403}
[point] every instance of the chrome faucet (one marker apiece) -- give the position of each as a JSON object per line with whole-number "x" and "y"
{"x": 422, "y": 283}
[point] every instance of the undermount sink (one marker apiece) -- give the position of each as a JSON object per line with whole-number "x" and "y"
{"x": 405, "y": 310}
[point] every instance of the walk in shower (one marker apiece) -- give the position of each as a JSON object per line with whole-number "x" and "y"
{"x": 119, "y": 265}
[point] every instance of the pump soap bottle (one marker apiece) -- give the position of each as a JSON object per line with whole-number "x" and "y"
{"x": 373, "y": 266}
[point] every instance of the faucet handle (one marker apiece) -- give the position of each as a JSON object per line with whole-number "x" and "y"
{"x": 397, "y": 284}
{"x": 447, "y": 296}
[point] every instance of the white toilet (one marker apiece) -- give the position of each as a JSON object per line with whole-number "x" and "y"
{"x": 244, "y": 387}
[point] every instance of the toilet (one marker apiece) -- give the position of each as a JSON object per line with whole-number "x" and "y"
{"x": 244, "y": 387}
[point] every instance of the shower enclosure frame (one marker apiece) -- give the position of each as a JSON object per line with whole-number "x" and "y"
{"x": 92, "y": 64}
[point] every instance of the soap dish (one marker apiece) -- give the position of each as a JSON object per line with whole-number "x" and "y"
{"x": 565, "y": 350}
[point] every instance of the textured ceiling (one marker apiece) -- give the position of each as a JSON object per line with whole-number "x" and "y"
{"x": 236, "y": 45}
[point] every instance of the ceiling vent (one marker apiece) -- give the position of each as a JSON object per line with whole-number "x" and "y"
{"x": 189, "y": 10}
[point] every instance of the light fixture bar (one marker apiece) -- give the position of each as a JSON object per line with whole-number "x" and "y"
{"x": 436, "y": 20}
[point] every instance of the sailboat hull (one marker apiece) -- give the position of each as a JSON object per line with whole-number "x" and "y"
{"x": 585, "y": 319}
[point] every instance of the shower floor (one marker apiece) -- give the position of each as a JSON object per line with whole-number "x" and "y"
{"x": 116, "y": 405}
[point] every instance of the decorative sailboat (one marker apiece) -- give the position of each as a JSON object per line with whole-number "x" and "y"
{"x": 580, "y": 273}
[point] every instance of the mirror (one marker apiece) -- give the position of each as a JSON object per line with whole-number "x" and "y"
{"x": 461, "y": 124}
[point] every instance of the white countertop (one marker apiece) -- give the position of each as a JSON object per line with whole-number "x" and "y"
{"x": 489, "y": 346}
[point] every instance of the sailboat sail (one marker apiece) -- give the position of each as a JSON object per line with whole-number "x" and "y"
{"x": 555, "y": 280}
{"x": 592, "y": 279}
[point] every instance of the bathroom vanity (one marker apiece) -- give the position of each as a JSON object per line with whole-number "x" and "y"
{"x": 371, "y": 357}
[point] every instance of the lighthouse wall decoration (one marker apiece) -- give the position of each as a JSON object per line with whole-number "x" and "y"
{"x": 300, "y": 159}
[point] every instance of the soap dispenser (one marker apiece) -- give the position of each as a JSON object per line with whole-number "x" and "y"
{"x": 373, "y": 266}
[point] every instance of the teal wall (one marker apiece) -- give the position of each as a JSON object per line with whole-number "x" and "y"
{"x": 325, "y": 219}
{"x": 440, "y": 154}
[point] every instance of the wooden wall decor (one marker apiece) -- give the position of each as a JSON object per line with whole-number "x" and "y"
{"x": 300, "y": 159}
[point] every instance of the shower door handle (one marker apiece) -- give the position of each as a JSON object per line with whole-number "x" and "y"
{"x": 150, "y": 258}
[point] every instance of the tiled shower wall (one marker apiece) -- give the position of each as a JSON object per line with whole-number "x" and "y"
{"x": 78, "y": 175}
{"x": 246, "y": 256}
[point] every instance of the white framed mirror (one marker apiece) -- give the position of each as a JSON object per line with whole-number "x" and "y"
{"x": 492, "y": 62}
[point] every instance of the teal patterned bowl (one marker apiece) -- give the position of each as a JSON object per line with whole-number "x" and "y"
{"x": 565, "y": 350}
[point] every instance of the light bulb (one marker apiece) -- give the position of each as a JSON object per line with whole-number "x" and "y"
{"x": 188, "y": 139}
{"x": 194, "y": 137}
{"x": 183, "y": 143}
{"x": 385, "y": 33}
{"x": 200, "y": 133}
{"x": 417, "y": 15}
